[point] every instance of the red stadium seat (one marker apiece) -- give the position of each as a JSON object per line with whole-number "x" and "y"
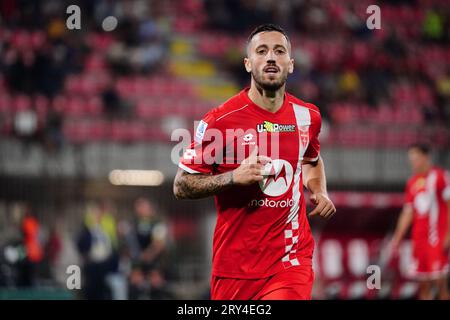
{"x": 6, "y": 125}
{"x": 21, "y": 102}
{"x": 77, "y": 131}
{"x": 38, "y": 39}
{"x": 95, "y": 62}
{"x": 75, "y": 106}
{"x": 93, "y": 106}
{"x": 41, "y": 106}
{"x": 73, "y": 85}
{"x": 100, "y": 41}
{"x": 21, "y": 39}
{"x": 136, "y": 131}
{"x": 6, "y": 104}
{"x": 145, "y": 109}
{"x": 59, "y": 103}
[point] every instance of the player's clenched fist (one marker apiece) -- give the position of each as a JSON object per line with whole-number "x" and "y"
{"x": 324, "y": 206}
{"x": 251, "y": 169}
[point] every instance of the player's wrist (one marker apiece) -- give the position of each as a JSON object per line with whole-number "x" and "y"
{"x": 316, "y": 186}
{"x": 396, "y": 239}
{"x": 320, "y": 193}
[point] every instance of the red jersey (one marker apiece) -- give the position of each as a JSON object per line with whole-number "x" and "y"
{"x": 427, "y": 194}
{"x": 261, "y": 229}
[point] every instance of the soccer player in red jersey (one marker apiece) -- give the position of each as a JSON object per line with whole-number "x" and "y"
{"x": 254, "y": 153}
{"x": 427, "y": 208}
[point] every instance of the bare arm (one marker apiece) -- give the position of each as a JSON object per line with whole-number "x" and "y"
{"x": 314, "y": 176}
{"x": 315, "y": 180}
{"x": 403, "y": 224}
{"x": 447, "y": 237}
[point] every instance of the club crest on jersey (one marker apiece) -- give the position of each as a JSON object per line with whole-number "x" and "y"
{"x": 304, "y": 135}
{"x": 268, "y": 126}
{"x": 189, "y": 154}
{"x": 201, "y": 129}
{"x": 419, "y": 184}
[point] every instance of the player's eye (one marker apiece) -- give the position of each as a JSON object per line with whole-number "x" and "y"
{"x": 261, "y": 51}
{"x": 280, "y": 51}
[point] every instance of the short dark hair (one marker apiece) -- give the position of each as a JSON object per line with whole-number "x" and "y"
{"x": 265, "y": 28}
{"x": 422, "y": 147}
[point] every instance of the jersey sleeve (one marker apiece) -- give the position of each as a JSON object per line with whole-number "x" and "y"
{"x": 200, "y": 156}
{"x": 313, "y": 150}
{"x": 446, "y": 185}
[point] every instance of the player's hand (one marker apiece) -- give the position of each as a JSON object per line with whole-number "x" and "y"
{"x": 251, "y": 169}
{"x": 324, "y": 206}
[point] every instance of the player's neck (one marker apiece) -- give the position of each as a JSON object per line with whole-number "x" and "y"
{"x": 425, "y": 169}
{"x": 268, "y": 100}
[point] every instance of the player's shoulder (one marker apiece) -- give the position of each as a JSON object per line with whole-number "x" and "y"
{"x": 411, "y": 180}
{"x": 441, "y": 172}
{"x": 409, "y": 184}
{"x": 303, "y": 103}
{"x": 228, "y": 108}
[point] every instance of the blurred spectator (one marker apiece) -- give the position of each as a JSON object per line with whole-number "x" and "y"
{"x": 97, "y": 245}
{"x": 34, "y": 254}
{"x": 25, "y": 124}
{"x": 53, "y": 248}
{"x": 52, "y": 66}
{"x": 53, "y": 131}
{"x": 43, "y": 70}
{"x": 349, "y": 83}
{"x": 147, "y": 243}
{"x": 113, "y": 104}
{"x": 433, "y": 25}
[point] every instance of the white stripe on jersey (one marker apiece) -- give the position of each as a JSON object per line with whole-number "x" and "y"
{"x": 232, "y": 111}
{"x": 186, "y": 168}
{"x": 446, "y": 191}
{"x": 433, "y": 217}
{"x": 303, "y": 118}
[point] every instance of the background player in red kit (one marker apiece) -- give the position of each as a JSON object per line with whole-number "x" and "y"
{"x": 427, "y": 208}
{"x": 254, "y": 153}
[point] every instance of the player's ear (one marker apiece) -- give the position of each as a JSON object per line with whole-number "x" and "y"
{"x": 248, "y": 65}
{"x": 291, "y": 66}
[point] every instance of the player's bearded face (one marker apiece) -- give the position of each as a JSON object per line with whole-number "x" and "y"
{"x": 418, "y": 161}
{"x": 269, "y": 60}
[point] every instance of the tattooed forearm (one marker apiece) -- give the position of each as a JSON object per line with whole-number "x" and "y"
{"x": 195, "y": 186}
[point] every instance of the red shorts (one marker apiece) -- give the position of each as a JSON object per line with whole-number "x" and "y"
{"x": 430, "y": 262}
{"x": 294, "y": 283}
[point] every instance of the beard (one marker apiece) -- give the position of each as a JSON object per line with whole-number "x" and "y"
{"x": 269, "y": 85}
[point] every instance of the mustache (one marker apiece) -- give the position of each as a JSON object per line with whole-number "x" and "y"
{"x": 271, "y": 66}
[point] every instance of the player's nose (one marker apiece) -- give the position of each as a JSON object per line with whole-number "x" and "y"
{"x": 270, "y": 56}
